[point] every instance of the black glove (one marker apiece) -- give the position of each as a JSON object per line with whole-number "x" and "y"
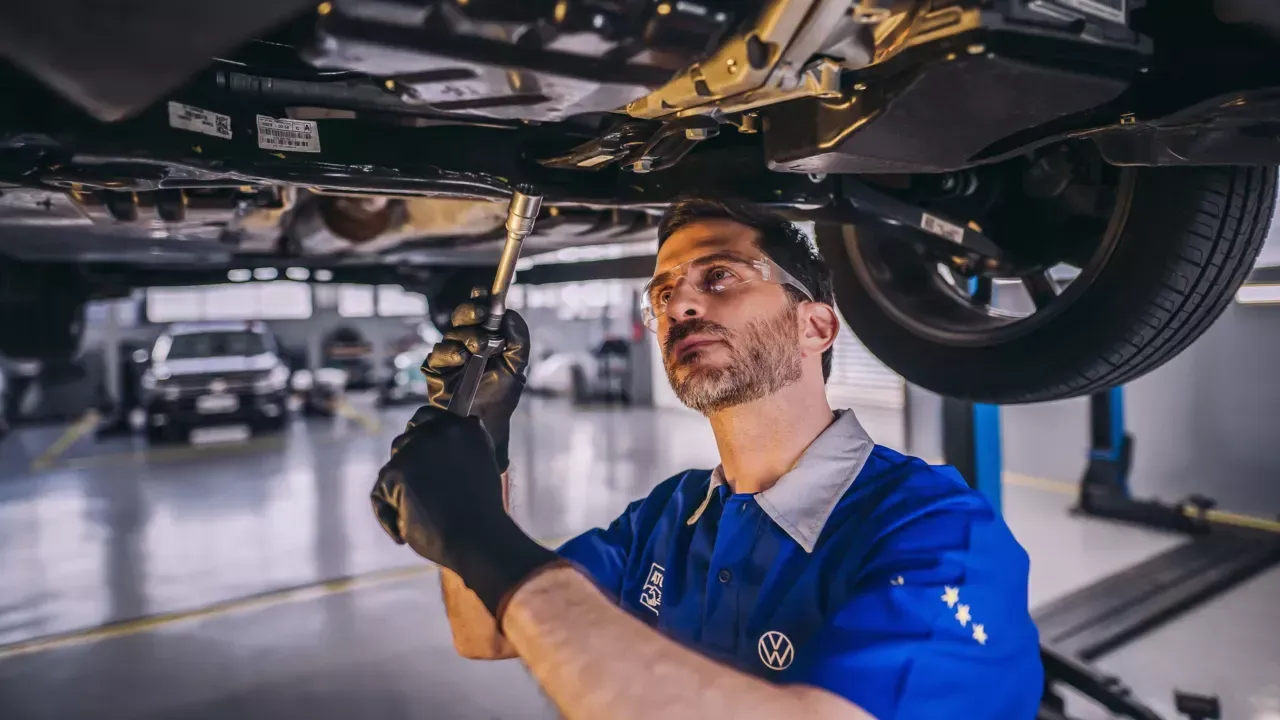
{"x": 442, "y": 494}
{"x": 503, "y": 378}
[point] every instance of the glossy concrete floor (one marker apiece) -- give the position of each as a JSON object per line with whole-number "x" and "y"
{"x": 113, "y": 532}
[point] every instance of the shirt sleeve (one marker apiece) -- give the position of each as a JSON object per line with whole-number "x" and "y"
{"x": 602, "y": 553}
{"x": 935, "y": 626}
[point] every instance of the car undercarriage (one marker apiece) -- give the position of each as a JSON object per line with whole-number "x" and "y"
{"x": 1083, "y": 181}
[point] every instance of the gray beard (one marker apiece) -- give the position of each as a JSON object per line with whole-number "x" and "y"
{"x": 764, "y": 359}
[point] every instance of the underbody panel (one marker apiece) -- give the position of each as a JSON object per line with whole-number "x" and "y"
{"x": 378, "y": 131}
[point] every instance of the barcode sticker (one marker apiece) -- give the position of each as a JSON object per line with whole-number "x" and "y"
{"x": 288, "y": 135}
{"x": 190, "y": 117}
{"x": 942, "y": 228}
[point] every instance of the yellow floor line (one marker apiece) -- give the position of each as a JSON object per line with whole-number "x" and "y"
{"x": 73, "y": 433}
{"x": 344, "y": 408}
{"x": 50, "y": 458}
{"x": 1221, "y": 517}
{"x": 1059, "y": 487}
{"x": 301, "y": 593}
{"x": 1230, "y": 518}
{"x": 172, "y": 454}
{"x": 327, "y": 588}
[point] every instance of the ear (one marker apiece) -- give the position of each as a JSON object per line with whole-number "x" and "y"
{"x": 819, "y": 326}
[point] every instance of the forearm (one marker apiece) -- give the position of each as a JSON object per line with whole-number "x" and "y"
{"x": 475, "y": 633}
{"x": 594, "y": 660}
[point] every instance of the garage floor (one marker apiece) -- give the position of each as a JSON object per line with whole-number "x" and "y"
{"x": 249, "y": 579}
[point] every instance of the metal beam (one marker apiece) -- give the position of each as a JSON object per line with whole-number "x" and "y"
{"x": 623, "y": 268}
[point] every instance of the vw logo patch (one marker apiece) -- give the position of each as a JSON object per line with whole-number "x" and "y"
{"x": 775, "y": 650}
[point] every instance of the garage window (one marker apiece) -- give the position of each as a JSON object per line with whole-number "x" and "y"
{"x": 395, "y": 301}
{"x": 279, "y": 300}
{"x": 355, "y": 301}
{"x": 858, "y": 379}
{"x": 584, "y": 300}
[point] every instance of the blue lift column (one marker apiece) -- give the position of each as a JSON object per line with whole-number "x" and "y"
{"x": 971, "y": 444}
{"x": 1104, "y": 489}
{"x": 1115, "y": 611}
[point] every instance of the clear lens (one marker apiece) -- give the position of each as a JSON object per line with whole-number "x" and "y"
{"x": 711, "y": 274}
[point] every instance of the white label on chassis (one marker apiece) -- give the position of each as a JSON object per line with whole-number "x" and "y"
{"x": 190, "y": 117}
{"x": 1112, "y": 10}
{"x": 288, "y": 135}
{"x": 942, "y": 228}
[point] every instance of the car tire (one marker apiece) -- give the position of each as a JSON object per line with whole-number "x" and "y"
{"x": 579, "y": 389}
{"x": 167, "y": 434}
{"x": 1189, "y": 239}
{"x": 156, "y": 435}
{"x": 268, "y": 425}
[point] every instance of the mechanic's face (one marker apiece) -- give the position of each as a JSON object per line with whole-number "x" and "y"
{"x": 725, "y": 348}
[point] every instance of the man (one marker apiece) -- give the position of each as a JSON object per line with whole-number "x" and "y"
{"x": 813, "y": 574}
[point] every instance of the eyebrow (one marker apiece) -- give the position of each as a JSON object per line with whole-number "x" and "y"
{"x": 719, "y": 256}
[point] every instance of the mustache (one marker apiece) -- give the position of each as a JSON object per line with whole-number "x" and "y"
{"x": 695, "y": 326}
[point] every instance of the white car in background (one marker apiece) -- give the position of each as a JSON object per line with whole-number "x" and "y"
{"x": 214, "y": 374}
{"x": 601, "y": 374}
{"x": 319, "y": 391}
{"x": 405, "y": 381}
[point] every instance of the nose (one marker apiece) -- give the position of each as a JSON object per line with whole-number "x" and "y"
{"x": 685, "y": 303}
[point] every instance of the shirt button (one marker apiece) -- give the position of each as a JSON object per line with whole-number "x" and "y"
{"x": 724, "y": 575}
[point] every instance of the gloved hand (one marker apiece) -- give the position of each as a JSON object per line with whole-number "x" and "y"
{"x": 503, "y": 378}
{"x": 441, "y": 493}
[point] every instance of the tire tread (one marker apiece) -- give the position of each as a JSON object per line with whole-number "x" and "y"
{"x": 1216, "y": 253}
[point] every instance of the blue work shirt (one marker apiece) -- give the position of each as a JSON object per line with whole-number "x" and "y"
{"x": 862, "y": 571}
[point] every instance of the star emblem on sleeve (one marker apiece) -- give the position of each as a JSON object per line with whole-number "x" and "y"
{"x": 951, "y": 596}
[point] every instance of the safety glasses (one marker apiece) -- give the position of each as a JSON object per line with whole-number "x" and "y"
{"x": 711, "y": 275}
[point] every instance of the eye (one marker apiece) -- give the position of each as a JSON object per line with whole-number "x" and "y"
{"x": 659, "y": 296}
{"x": 719, "y": 278}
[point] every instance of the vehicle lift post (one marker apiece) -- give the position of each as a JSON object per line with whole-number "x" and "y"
{"x": 1117, "y": 610}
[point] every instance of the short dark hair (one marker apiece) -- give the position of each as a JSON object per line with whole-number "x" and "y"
{"x": 779, "y": 239}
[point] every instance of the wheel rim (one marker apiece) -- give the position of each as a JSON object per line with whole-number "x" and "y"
{"x": 934, "y": 299}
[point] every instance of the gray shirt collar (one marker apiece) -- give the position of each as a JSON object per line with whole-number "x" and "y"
{"x": 803, "y": 499}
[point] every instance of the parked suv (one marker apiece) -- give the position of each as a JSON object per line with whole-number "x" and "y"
{"x": 214, "y": 374}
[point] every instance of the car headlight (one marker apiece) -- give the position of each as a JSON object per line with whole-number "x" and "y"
{"x": 274, "y": 381}
{"x": 302, "y": 381}
{"x": 153, "y": 378}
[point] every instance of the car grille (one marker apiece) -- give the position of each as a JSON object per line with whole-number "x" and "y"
{"x": 236, "y": 382}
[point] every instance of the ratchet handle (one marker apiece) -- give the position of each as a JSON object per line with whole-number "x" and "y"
{"x": 521, "y": 214}
{"x": 465, "y": 394}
